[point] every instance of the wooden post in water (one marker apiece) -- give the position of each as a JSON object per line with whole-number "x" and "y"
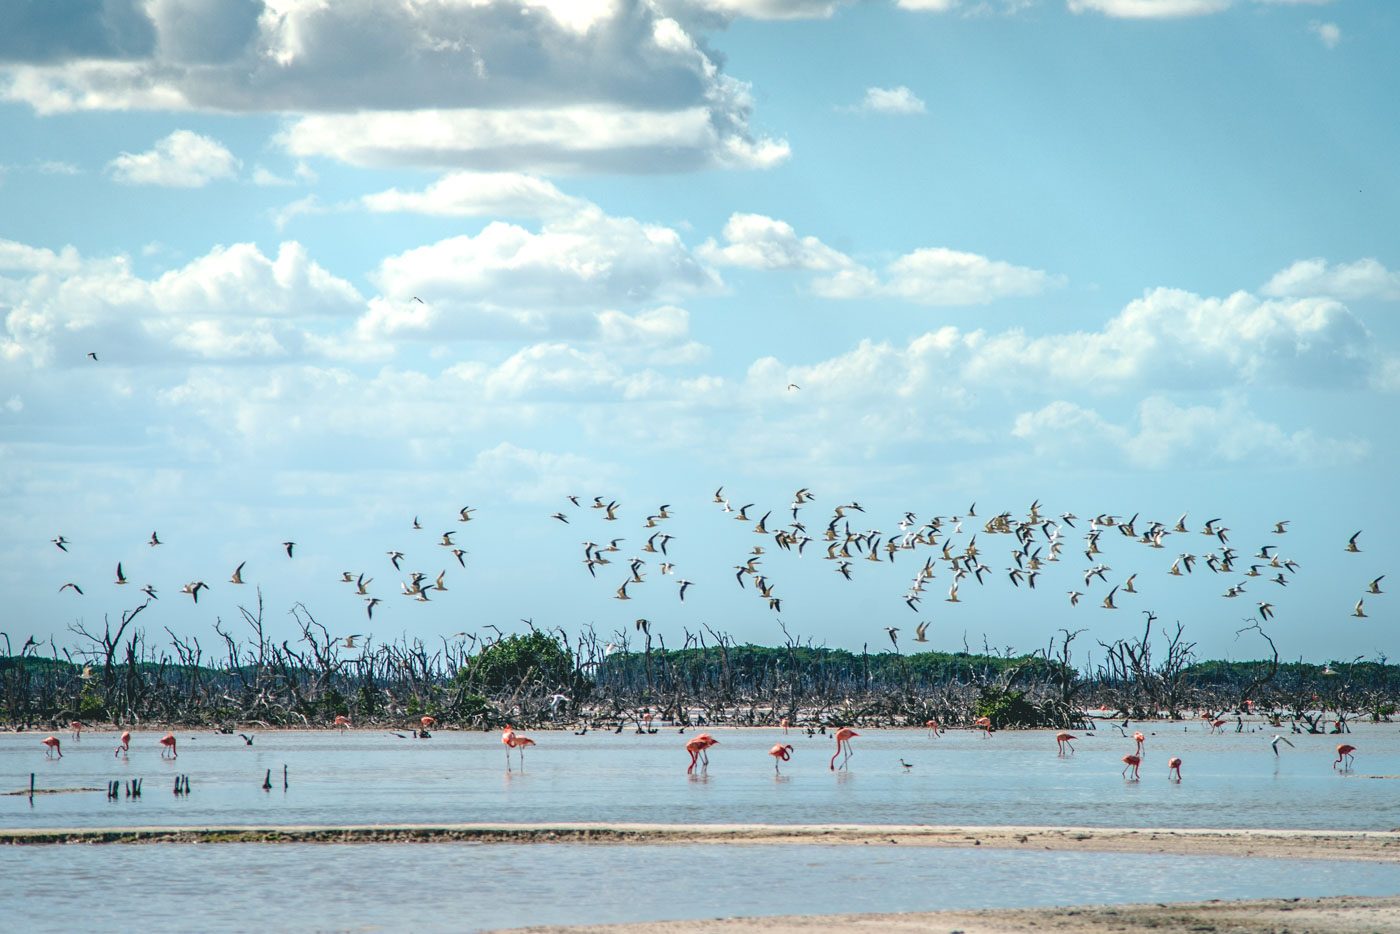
{"x": 31, "y": 787}
{"x": 267, "y": 781}
{"x": 284, "y": 776}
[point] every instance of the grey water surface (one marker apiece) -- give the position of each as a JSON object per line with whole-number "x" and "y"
{"x": 1013, "y": 777}
{"x": 470, "y": 887}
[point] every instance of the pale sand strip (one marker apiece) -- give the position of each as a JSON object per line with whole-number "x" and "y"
{"x": 1347, "y": 915}
{"x": 1383, "y": 846}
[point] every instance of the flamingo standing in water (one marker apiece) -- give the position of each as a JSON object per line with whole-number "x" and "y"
{"x": 933, "y": 728}
{"x": 1174, "y": 769}
{"x": 52, "y": 747}
{"x": 342, "y": 723}
{"x": 1139, "y": 739}
{"x": 1062, "y": 740}
{"x": 784, "y": 724}
{"x": 780, "y": 753}
{"x": 514, "y": 741}
{"x": 696, "y": 747}
{"x": 77, "y": 727}
{"x": 1215, "y": 725}
{"x": 985, "y": 725}
{"x": 168, "y": 742}
{"x": 123, "y": 744}
{"x": 843, "y": 744}
{"x": 1344, "y": 752}
{"x": 1132, "y": 761}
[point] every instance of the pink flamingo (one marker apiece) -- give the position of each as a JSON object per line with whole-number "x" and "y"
{"x": 696, "y": 747}
{"x": 933, "y": 728}
{"x": 985, "y": 725}
{"x": 52, "y": 747}
{"x": 1139, "y": 739}
{"x": 514, "y": 741}
{"x": 780, "y": 753}
{"x": 1062, "y": 740}
{"x": 1132, "y": 762}
{"x": 341, "y": 723}
{"x": 1344, "y": 752}
{"x": 427, "y": 721}
{"x": 843, "y": 743}
{"x": 123, "y": 744}
{"x": 1174, "y": 769}
{"x": 784, "y": 724}
{"x": 1215, "y": 726}
{"x": 77, "y": 727}
{"x": 168, "y": 742}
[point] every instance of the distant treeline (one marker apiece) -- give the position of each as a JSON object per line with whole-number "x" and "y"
{"x": 122, "y": 674}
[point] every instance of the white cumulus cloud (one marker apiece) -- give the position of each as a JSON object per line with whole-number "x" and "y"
{"x": 898, "y": 100}
{"x": 479, "y": 194}
{"x": 754, "y": 241}
{"x": 938, "y": 276}
{"x": 543, "y": 85}
{"x": 183, "y": 159}
{"x": 1329, "y": 34}
{"x": 1363, "y": 279}
{"x": 1149, "y": 9}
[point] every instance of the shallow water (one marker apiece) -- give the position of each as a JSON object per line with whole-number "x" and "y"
{"x": 1231, "y": 780}
{"x": 442, "y": 887}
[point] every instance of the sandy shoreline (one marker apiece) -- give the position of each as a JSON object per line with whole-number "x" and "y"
{"x": 1344, "y": 915}
{"x": 1381, "y": 846}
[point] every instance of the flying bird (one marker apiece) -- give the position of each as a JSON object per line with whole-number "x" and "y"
{"x": 289, "y": 546}
{"x": 237, "y": 577}
{"x": 75, "y": 587}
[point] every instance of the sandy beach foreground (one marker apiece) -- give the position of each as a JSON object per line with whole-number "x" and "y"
{"x": 1383, "y": 846}
{"x": 1345, "y": 915}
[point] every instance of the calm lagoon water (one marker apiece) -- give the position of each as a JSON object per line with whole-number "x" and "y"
{"x": 1231, "y": 780}
{"x": 467, "y": 887}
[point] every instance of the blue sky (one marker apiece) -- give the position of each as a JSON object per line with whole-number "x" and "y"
{"x": 347, "y": 266}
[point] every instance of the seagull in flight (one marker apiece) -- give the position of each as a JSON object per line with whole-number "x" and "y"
{"x": 289, "y": 546}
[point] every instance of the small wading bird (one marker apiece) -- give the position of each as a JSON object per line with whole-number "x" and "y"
{"x": 1344, "y": 756}
{"x": 513, "y": 740}
{"x": 780, "y": 753}
{"x": 697, "y": 748}
{"x": 843, "y": 747}
{"x": 1132, "y": 762}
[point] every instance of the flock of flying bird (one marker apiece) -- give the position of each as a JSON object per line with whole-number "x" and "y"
{"x": 936, "y": 546}
{"x": 418, "y": 585}
{"x": 1038, "y": 540}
